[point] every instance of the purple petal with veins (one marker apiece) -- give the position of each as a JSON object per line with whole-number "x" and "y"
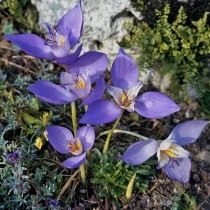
{"x": 92, "y": 63}
{"x": 100, "y": 112}
{"x": 155, "y": 105}
{"x": 31, "y": 44}
{"x": 70, "y": 58}
{"x": 178, "y": 169}
{"x": 59, "y": 137}
{"x": 124, "y": 72}
{"x": 75, "y": 162}
{"x": 187, "y": 132}
{"x": 96, "y": 93}
{"x": 51, "y": 93}
{"x": 86, "y": 134}
{"x": 71, "y": 24}
{"x": 139, "y": 152}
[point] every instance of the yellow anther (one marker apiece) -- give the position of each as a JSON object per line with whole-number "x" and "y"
{"x": 124, "y": 100}
{"x": 61, "y": 41}
{"x": 75, "y": 147}
{"x": 80, "y": 84}
{"x": 170, "y": 153}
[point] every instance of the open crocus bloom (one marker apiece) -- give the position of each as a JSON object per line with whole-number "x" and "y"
{"x": 63, "y": 141}
{"x": 73, "y": 86}
{"x": 172, "y": 157}
{"x": 125, "y": 88}
{"x": 60, "y": 43}
{"x": 60, "y": 40}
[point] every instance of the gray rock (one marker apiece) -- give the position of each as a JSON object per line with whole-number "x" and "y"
{"x": 204, "y": 155}
{"x": 103, "y": 20}
{"x": 160, "y": 82}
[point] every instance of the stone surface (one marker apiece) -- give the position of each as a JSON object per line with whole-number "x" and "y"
{"x": 103, "y": 20}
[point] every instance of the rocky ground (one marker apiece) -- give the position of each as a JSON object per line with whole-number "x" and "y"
{"x": 162, "y": 192}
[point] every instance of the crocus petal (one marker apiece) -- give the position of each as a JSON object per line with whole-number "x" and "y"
{"x": 86, "y": 134}
{"x": 31, "y": 44}
{"x": 100, "y": 112}
{"x": 155, "y": 105}
{"x": 94, "y": 63}
{"x": 178, "y": 169}
{"x": 69, "y": 58}
{"x": 71, "y": 24}
{"x": 59, "y": 137}
{"x": 97, "y": 92}
{"x": 163, "y": 160}
{"x": 51, "y": 93}
{"x": 187, "y": 132}
{"x": 139, "y": 152}
{"x": 124, "y": 72}
{"x": 75, "y": 162}
{"x": 116, "y": 93}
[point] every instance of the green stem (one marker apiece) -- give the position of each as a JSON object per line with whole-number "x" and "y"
{"x": 67, "y": 184}
{"x": 125, "y": 132}
{"x": 74, "y": 117}
{"x": 110, "y": 132}
{"x": 74, "y": 123}
{"x": 82, "y": 173}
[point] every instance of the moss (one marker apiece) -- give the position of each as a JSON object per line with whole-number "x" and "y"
{"x": 175, "y": 47}
{"x": 23, "y": 12}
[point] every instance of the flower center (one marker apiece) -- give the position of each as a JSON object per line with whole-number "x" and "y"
{"x": 80, "y": 84}
{"x": 124, "y": 100}
{"x": 61, "y": 41}
{"x": 171, "y": 152}
{"x": 75, "y": 147}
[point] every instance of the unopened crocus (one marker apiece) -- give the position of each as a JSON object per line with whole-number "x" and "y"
{"x": 172, "y": 157}
{"x": 63, "y": 141}
{"x": 125, "y": 88}
{"x": 12, "y": 157}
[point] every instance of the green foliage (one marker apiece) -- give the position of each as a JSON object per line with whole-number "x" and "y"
{"x": 194, "y": 9}
{"x": 111, "y": 176}
{"x": 37, "y": 177}
{"x": 175, "y": 47}
{"x": 182, "y": 201}
{"x": 23, "y": 12}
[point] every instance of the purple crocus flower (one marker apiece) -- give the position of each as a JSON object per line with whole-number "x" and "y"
{"x": 60, "y": 40}
{"x": 53, "y": 203}
{"x": 12, "y": 157}
{"x": 126, "y": 86}
{"x": 63, "y": 141}
{"x": 73, "y": 86}
{"x": 60, "y": 43}
{"x": 172, "y": 157}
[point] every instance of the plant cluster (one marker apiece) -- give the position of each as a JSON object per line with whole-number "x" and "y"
{"x": 194, "y": 9}
{"x": 111, "y": 176}
{"x": 82, "y": 82}
{"x": 175, "y": 47}
{"x": 23, "y": 12}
